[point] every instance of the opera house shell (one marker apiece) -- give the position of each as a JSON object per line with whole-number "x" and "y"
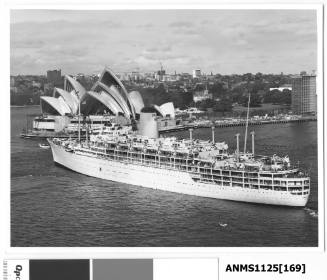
{"x": 64, "y": 101}
{"x": 108, "y": 96}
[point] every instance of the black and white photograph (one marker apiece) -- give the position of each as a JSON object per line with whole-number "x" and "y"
{"x": 164, "y": 127}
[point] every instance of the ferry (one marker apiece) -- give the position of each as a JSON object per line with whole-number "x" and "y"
{"x": 188, "y": 166}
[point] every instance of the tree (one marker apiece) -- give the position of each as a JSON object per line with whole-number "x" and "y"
{"x": 255, "y": 100}
{"x": 205, "y": 104}
{"x": 277, "y": 97}
{"x": 258, "y": 76}
{"x": 224, "y": 105}
{"x": 156, "y": 96}
{"x": 181, "y": 99}
{"x": 217, "y": 90}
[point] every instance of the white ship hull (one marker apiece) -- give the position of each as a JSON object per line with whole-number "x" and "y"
{"x": 168, "y": 180}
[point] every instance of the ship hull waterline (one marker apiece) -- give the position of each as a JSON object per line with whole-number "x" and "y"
{"x": 168, "y": 180}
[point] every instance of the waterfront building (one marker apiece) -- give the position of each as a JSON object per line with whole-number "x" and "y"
{"x": 196, "y": 73}
{"x": 201, "y": 93}
{"x": 159, "y": 76}
{"x": 166, "y": 123}
{"x": 304, "y": 97}
{"x": 54, "y": 77}
{"x": 281, "y": 88}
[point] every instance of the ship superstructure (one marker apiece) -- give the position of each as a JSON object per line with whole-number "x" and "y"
{"x": 188, "y": 166}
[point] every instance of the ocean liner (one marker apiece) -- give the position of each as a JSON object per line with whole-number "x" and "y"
{"x": 188, "y": 166}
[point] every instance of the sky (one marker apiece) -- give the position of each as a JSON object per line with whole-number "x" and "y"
{"x": 218, "y": 41}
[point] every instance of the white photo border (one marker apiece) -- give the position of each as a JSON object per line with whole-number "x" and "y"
{"x": 152, "y": 252}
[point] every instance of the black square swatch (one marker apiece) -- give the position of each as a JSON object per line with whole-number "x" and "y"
{"x": 59, "y": 270}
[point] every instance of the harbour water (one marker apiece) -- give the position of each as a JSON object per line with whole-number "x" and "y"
{"x": 52, "y": 206}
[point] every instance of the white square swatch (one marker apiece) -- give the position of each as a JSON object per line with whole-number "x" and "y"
{"x": 185, "y": 269}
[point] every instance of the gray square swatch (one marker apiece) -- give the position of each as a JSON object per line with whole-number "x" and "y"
{"x": 123, "y": 269}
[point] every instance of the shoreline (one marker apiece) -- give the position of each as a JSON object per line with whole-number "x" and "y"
{"x": 232, "y": 124}
{"x": 23, "y": 106}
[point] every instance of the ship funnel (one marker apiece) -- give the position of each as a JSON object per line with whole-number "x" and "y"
{"x": 191, "y": 132}
{"x": 252, "y": 134}
{"x": 148, "y": 125}
{"x": 213, "y": 134}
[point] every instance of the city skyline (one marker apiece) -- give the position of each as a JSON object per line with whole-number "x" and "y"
{"x": 218, "y": 41}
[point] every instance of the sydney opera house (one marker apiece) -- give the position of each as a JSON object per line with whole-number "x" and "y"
{"x": 107, "y": 97}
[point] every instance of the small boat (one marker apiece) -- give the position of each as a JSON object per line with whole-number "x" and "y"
{"x": 222, "y": 225}
{"x": 26, "y": 136}
{"x": 44, "y": 146}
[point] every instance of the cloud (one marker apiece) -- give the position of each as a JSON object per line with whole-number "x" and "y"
{"x": 153, "y": 62}
{"x": 159, "y": 49}
{"x": 151, "y": 50}
{"x": 186, "y": 32}
{"x": 146, "y": 25}
{"x": 63, "y": 51}
{"x": 241, "y": 42}
{"x": 22, "y": 61}
{"x": 181, "y": 24}
{"x": 214, "y": 40}
{"x": 206, "y": 22}
{"x": 29, "y": 43}
{"x": 110, "y": 23}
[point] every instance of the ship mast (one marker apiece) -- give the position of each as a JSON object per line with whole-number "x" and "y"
{"x": 213, "y": 134}
{"x": 252, "y": 134}
{"x": 191, "y": 136}
{"x": 247, "y": 123}
{"x": 79, "y": 118}
{"x": 238, "y": 146}
{"x": 86, "y": 130}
